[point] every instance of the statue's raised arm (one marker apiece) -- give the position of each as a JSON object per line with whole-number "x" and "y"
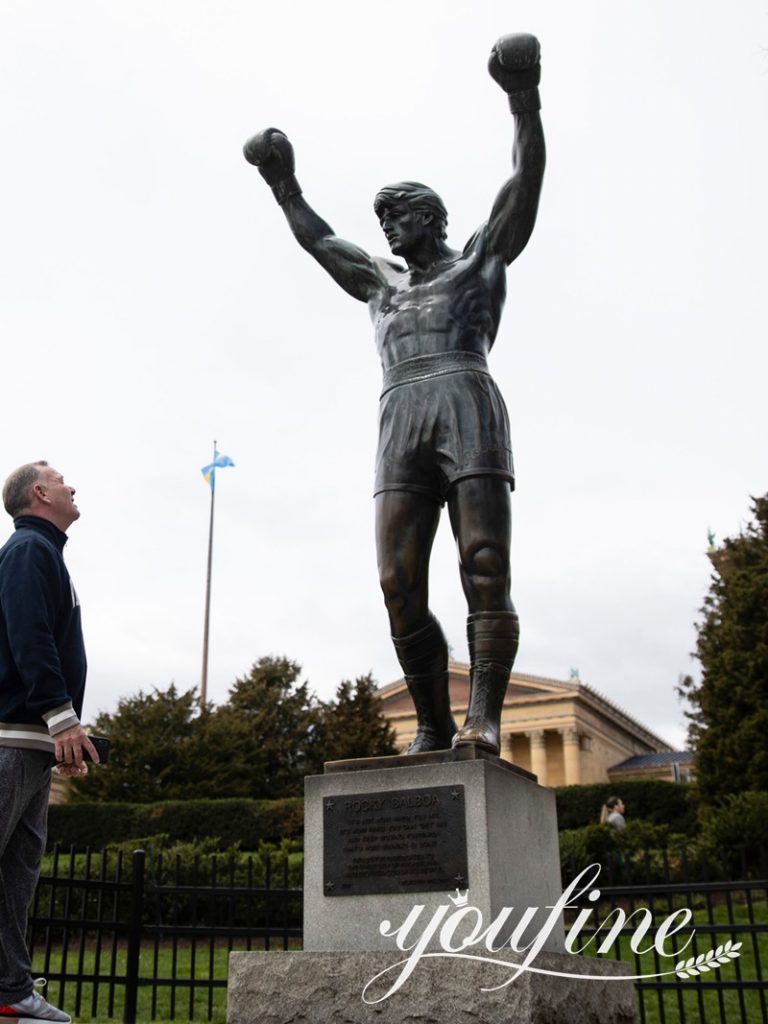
{"x": 348, "y": 265}
{"x": 515, "y": 64}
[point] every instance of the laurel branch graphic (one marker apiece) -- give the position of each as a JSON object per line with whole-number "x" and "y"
{"x": 713, "y": 960}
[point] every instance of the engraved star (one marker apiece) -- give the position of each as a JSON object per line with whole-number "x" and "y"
{"x": 330, "y": 885}
{"x": 329, "y": 805}
{"x": 455, "y": 794}
{"x": 458, "y": 879}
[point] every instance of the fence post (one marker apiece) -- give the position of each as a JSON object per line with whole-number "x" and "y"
{"x": 134, "y": 938}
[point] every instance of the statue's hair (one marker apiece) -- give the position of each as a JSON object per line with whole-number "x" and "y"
{"x": 419, "y": 197}
{"x": 17, "y": 488}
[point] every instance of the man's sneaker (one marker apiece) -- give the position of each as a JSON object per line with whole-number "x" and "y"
{"x": 33, "y": 1008}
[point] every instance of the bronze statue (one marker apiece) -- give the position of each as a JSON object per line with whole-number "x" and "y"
{"x": 443, "y": 427}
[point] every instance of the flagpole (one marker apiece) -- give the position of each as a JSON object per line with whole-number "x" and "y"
{"x": 204, "y": 681}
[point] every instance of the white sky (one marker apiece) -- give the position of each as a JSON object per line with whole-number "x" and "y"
{"x": 152, "y": 299}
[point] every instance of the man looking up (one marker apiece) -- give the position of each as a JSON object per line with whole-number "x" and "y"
{"x": 42, "y": 682}
{"x": 443, "y": 427}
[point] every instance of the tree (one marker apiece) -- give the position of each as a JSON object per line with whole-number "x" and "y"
{"x": 729, "y": 718}
{"x": 353, "y": 726}
{"x": 269, "y": 734}
{"x": 154, "y": 752}
{"x": 265, "y": 738}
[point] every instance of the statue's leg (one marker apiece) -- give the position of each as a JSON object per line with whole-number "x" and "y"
{"x": 423, "y": 656}
{"x": 406, "y": 523}
{"x": 481, "y": 520}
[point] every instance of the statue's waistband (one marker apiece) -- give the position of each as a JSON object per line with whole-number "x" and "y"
{"x": 424, "y": 367}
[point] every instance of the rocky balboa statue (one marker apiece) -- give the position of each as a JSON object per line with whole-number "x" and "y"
{"x": 443, "y": 427}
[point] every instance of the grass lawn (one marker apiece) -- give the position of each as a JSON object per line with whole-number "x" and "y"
{"x": 157, "y": 1001}
{"x": 700, "y": 1004}
{"x": 703, "y": 1002}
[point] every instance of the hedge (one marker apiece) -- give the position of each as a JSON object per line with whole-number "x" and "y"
{"x": 662, "y": 803}
{"x": 247, "y": 822}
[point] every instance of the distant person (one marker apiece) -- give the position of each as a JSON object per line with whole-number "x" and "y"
{"x": 613, "y": 812}
{"x": 42, "y": 683}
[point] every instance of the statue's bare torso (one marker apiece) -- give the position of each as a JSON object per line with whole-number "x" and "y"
{"x": 454, "y": 306}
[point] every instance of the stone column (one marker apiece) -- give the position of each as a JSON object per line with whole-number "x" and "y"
{"x": 538, "y": 755}
{"x": 571, "y": 756}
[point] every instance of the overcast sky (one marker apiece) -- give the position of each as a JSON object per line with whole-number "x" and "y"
{"x": 152, "y": 299}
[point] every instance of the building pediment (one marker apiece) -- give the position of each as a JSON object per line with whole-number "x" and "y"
{"x": 543, "y": 720}
{"x": 395, "y": 697}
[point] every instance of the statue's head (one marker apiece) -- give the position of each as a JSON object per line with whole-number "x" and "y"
{"x": 418, "y": 204}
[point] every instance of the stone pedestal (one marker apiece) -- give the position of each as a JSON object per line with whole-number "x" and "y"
{"x": 326, "y": 988}
{"x": 377, "y": 830}
{"x": 511, "y": 846}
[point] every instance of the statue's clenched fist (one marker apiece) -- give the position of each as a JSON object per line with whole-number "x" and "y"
{"x": 272, "y": 153}
{"x": 515, "y": 63}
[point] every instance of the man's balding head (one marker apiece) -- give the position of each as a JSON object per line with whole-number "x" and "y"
{"x": 18, "y": 490}
{"x": 37, "y": 489}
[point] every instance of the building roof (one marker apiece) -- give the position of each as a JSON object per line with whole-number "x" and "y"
{"x": 657, "y": 760}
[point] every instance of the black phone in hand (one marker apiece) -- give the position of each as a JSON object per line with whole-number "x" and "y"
{"x": 102, "y": 745}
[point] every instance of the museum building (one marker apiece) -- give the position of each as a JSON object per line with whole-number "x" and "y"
{"x": 566, "y": 733}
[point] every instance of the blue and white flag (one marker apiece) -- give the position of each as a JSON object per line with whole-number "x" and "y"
{"x": 219, "y": 462}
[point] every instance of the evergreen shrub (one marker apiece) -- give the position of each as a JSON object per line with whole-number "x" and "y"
{"x": 740, "y": 820}
{"x": 640, "y": 854}
{"x": 652, "y": 800}
{"x": 236, "y": 822}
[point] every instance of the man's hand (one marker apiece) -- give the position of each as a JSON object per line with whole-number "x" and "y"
{"x": 71, "y": 771}
{"x": 515, "y": 63}
{"x": 70, "y": 745}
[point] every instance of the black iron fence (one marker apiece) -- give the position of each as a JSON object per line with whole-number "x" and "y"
{"x": 717, "y": 975}
{"x": 138, "y": 938}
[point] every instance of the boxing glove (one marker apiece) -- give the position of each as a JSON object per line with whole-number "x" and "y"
{"x": 516, "y": 65}
{"x": 272, "y": 153}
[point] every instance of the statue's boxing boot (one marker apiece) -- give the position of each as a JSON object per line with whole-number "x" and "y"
{"x": 423, "y": 656}
{"x": 493, "y": 639}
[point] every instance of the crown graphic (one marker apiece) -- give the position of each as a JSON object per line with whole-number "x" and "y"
{"x": 460, "y": 899}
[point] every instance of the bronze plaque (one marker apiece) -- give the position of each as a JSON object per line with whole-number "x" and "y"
{"x": 407, "y": 840}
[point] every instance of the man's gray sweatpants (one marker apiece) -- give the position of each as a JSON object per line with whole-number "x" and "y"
{"x": 25, "y": 779}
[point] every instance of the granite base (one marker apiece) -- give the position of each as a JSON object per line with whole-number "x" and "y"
{"x": 326, "y": 988}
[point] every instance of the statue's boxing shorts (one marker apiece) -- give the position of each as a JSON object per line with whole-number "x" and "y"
{"x": 441, "y": 418}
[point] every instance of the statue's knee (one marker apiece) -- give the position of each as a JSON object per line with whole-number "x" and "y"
{"x": 406, "y": 601}
{"x": 391, "y": 587}
{"x": 487, "y": 563}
